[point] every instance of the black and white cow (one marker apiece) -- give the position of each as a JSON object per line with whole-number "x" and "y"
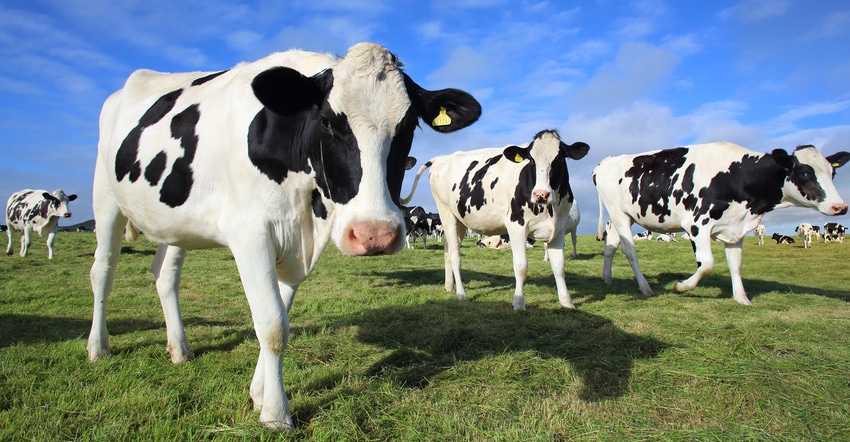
{"x": 712, "y": 191}
{"x": 805, "y": 232}
{"x": 760, "y": 231}
{"x": 523, "y": 191}
{"x": 833, "y": 232}
{"x": 39, "y": 211}
{"x": 782, "y": 239}
{"x": 646, "y": 235}
{"x": 417, "y": 223}
{"x": 273, "y": 159}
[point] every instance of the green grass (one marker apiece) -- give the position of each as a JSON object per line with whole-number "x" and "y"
{"x": 379, "y": 351}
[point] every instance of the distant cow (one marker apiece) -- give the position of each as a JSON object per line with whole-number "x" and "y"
{"x": 833, "y": 232}
{"x": 782, "y": 239}
{"x": 805, "y": 232}
{"x": 760, "y": 231}
{"x": 666, "y": 237}
{"x": 494, "y": 242}
{"x": 712, "y": 191}
{"x": 523, "y": 191}
{"x": 642, "y": 236}
{"x": 417, "y": 224}
{"x": 39, "y": 211}
{"x": 273, "y": 159}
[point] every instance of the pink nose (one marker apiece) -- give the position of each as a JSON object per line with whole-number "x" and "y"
{"x": 370, "y": 238}
{"x": 839, "y": 209}
{"x": 541, "y": 196}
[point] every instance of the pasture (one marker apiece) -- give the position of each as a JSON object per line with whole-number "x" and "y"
{"x": 379, "y": 351}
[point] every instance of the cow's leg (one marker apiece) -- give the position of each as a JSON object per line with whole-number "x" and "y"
{"x": 167, "y": 268}
{"x": 454, "y": 236}
{"x": 255, "y": 260}
{"x": 110, "y": 227}
{"x": 9, "y": 236}
{"x": 520, "y": 259}
{"x": 621, "y": 233}
{"x": 556, "y": 261}
{"x": 734, "y": 258}
{"x": 51, "y": 237}
{"x": 26, "y": 240}
{"x": 628, "y": 248}
{"x": 287, "y": 296}
{"x": 612, "y": 243}
{"x": 705, "y": 262}
{"x": 573, "y": 237}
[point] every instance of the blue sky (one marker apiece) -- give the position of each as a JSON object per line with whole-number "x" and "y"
{"x": 623, "y": 76}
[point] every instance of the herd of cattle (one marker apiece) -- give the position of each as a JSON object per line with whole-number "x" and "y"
{"x": 277, "y": 158}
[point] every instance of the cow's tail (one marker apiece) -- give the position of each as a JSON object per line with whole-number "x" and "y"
{"x": 600, "y": 225}
{"x": 409, "y": 197}
{"x": 131, "y": 232}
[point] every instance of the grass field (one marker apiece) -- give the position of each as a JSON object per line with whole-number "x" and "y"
{"x": 379, "y": 351}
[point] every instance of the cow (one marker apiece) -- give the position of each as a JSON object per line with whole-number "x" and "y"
{"x": 833, "y": 232}
{"x": 523, "y": 191}
{"x": 760, "y": 231}
{"x": 36, "y": 210}
{"x": 805, "y": 232}
{"x": 273, "y": 159}
{"x": 417, "y": 224}
{"x": 712, "y": 191}
{"x": 642, "y": 236}
{"x": 816, "y": 232}
{"x": 666, "y": 237}
{"x": 782, "y": 239}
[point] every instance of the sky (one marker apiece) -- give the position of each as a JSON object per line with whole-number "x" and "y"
{"x": 623, "y": 76}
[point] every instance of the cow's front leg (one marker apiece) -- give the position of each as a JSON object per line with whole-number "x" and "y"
{"x": 734, "y": 258}
{"x": 256, "y": 264}
{"x": 167, "y": 268}
{"x": 556, "y": 261}
{"x": 51, "y": 237}
{"x": 287, "y": 296}
{"x": 9, "y": 236}
{"x": 705, "y": 262}
{"x": 518, "y": 251}
{"x": 110, "y": 224}
{"x": 26, "y": 240}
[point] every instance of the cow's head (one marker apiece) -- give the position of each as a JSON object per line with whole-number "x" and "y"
{"x": 809, "y": 180}
{"x": 357, "y": 120}
{"x": 57, "y": 203}
{"x": 547, "y": 170}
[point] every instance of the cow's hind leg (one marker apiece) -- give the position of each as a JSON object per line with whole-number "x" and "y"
{"x": 734, "y": 258}
{"x": 705, "y": 262}
{"x": 167, "y": 268}
{"x": 26, "y": 240}
{"x": 451, "y": 257}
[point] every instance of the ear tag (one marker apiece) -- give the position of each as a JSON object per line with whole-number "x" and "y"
{"x": 518, "y": 159}
{"x": 442, "y": 118}
{"x": 835, "y": 164}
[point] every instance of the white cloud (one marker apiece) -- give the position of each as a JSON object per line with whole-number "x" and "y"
{"x": 751, "y": 11}
{"x": 786, "y": 121}
{"x": 834, "y": 25}
{"x": 465, "y": 65}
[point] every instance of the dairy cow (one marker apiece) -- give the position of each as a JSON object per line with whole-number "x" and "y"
{"x": 273, "y": 159}
{"x": 711, "y": 191}
{"x": 523, "y": 191}
{"x": 833, "y": 232}
{"x": 417, "y": 224}
{"x": 760, "y": 231}
{"x": 38, "y": 211}
{"x": 805, "y": 232}
{"x": 782, "y": 239}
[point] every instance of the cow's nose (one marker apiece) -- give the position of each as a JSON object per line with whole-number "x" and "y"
{"x": 541, "y": 196}
{"x": 68, "y": 215}
{"x": 839, "y": 209}
{"x": 371, "y": 238}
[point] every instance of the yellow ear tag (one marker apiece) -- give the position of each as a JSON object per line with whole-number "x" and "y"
{"x": 518, "y": 159}
{"x": 442, "y": 119}
{"x": 835, "y": 164}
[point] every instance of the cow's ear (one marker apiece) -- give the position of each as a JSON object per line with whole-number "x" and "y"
{"x": 517, "y": 154}
{"x": 286, "y": 91}
{"x": 576, "y": 150}
{"x": 783, "y": 159}
{"x": 446, "y": 110}
{"x": 409, "y": 163}
{"x": 72, "y": 197}
{"x": 838, "y": 159}
{"x": 48, "y": 196}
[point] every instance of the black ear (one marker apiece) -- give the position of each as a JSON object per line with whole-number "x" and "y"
{"x": 72, "y": 197}
{"x": 47, "y": 196}
{"x": 517, "y": 154}
{"x": 576, "y": 150}
{"x": 286, "y": 91}
{"x": 409, "y": 163}
{"x": 838, "y": 159}
{"x": 783, "y": 159}
{"x": 446, "y": 110}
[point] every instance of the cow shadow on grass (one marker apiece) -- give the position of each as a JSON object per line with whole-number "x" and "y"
{"x": 429, "y": 338}
{"x": 755, "y": 287}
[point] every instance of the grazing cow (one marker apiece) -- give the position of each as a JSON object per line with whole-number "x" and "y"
{"x": 523, "y": 191}
{"x": 760, "y": 231}
{"x": 805, "y": 232}
{"x": 833, "y": 232}
{"x": 417, "y": 224}
{"x": 782, "y": 239}
{"x": 712, "y": 191}
{"x": 39, "y": 211}
{"x": 273, "y": 159}
{"x": 642, "y": 236}
{"x": 816, "y": 232}
{"x": 666, "y": 237}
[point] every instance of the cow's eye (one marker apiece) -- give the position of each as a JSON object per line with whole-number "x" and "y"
{"x": 326, "y": 123}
